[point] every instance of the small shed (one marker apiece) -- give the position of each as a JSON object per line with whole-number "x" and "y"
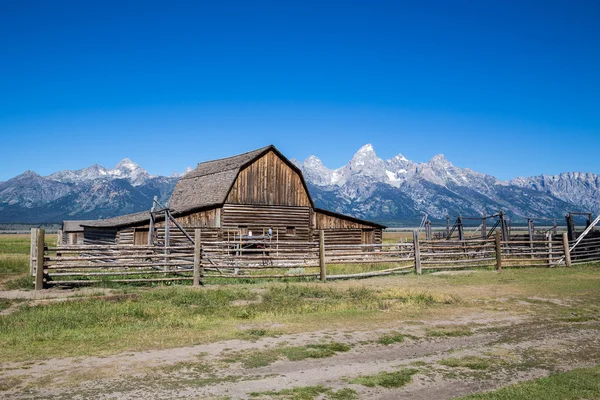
{"x": 72, "y": 231}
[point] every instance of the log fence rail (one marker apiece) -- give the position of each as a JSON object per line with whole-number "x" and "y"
{"x": 257, "y": 258}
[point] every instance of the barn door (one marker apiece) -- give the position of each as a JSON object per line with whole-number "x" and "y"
{"x": 140, "y": 237}
{"x": 367, "y": 238}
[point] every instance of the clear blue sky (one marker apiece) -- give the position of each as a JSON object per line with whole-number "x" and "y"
{"x": 507, "y": 88}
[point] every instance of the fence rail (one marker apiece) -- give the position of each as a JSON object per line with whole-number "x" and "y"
{"x": 258, "y": 259}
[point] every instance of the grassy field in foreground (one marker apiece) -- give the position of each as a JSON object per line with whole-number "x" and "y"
{"x": 582, "y": 383}
{"x": 180, "y": 316}
{"x": 14, "y": 260}
{"x": 165, "y": 317}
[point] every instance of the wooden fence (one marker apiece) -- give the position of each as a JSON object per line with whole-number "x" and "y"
{"x": 256, "y": 258}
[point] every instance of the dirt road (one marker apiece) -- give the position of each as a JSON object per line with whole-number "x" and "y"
{"x": 446, "y": 358}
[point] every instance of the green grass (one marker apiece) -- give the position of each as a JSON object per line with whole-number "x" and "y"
{"x": 582, "y": 383}
{"x": 262, "y": 358}
{"x": 309, "y": 393}
{"x": 387, "y": 379}
{"x": 180, "y": 315}
{"x": 160, "y": 318}
{"x": 358, "y": 268}
{"x": 14, "y": 261}
{"x": 391, "y": 338}
{"x": 4, "y": 304}
{"x": 14, "y": 244}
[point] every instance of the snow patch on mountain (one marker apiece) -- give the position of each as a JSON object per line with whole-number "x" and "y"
{"x": 125, "y": 169}
{"x": 438, "y": 187}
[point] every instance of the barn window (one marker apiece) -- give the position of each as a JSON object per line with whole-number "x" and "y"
{"x": 243, "y": 229}
{"x": 290, "y": 230}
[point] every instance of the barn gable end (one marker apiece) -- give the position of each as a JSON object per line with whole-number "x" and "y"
{"x": 269, "y": 180}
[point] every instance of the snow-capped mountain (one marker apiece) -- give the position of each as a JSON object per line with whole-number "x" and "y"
{"x": 88, "y": 193}
{"x": 369, "y": 187}
{"x": 125, "y": 169}
{"x": 394, "y": 192}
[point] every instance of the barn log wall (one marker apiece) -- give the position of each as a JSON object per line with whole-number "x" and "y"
{"x": 269, "y": 181}
{"x": 72, "y": 238}
{"x": 324, "y": 221}
{"x": 259, "y": 218}
{"x": 341, "y": 236}
{"x": 126, "y": 236}
{"x": 201, "y": 219}
{"x": 100, "y": 235}
{"x": 178, "y": 238}
{"x": 339, "y": 230}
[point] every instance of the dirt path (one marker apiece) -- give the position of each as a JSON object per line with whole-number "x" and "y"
{"x": 491, "y": 349}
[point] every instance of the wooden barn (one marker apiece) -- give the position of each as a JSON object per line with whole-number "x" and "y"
{"x": 244, "y": 195}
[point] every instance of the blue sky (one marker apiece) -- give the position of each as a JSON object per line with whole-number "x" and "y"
{"x": 508, "y": 88}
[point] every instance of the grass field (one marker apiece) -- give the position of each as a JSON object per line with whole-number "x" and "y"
{"x": 14, "y": 260}
{"x": 351, "y": 318}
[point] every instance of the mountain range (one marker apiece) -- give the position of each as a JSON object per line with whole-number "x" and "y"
{"x": 89, "y": 193}
{"x": 394, "y": 192}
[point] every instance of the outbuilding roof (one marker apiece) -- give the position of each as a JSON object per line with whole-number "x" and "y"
{"x": 74, "y": 226}
{"x": 122, "y": 220}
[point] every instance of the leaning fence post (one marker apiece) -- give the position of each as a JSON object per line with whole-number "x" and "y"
{"x": 549, "y": 239}
{"x": 39, "y": 261}
{"x": 198, "y": 270}
{"x": 417, "y": 252}
{"x": 566, "y": 249}
{"x": 499, "y": 250}
{"x": 322, "y": 265}
{"x": 32, "y": 251}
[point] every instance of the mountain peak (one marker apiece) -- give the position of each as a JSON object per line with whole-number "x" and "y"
{"x": 30, "y": 173}
{"x": 366, "y": 149}
{"x": 182, "y": 174}
{"x": 440, "y": 159}
{"x": 313, "y": 161}
{"x": 399, "y": 157}
{"x": 127, "y": 164}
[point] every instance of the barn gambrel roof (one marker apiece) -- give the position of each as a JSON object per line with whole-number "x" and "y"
{"x": 210, "y": 183}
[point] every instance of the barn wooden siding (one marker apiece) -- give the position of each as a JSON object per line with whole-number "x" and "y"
{"x": 339, "y": 230}
{"x": 269, "y": 181}
{"x": 201, "y": 219}
{"x": 324, "y": 221}
{"x": 294, "y": 224}
{"x": 72, "y": 238}
{"x": 93, "y": 235}
{"x": 350, "y": 236}
{"x": 289, "y": 223}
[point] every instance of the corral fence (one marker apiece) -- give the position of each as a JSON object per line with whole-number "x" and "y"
{"x": 256, "y": 258}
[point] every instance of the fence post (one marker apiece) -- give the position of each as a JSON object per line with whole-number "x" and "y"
{"x": 322, "y": 266}
{"x": 498, "y": 250}
{"x": 549, "y": 239}
{"x": 197, "y": 257}
{"x": 566, "y": 248}
{"x": 32, "y": 251}
{"x": 39, "y": 261}
{"x": 417, "y": 252}
{"x": 531, "y": 229}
